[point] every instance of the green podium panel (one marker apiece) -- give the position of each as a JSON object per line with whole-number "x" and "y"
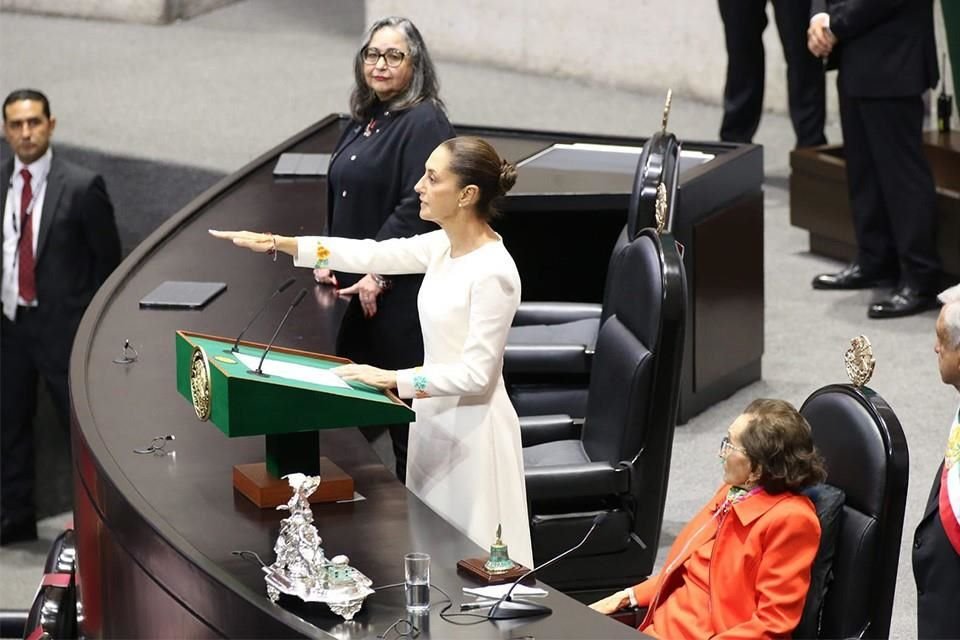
{"x": 243, "y": 403}
{"x": 288, "y": 402}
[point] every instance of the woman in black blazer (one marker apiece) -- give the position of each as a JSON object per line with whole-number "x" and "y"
{"x": 397, "y": 121}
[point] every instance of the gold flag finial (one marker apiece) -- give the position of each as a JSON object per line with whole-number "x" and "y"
{"x": 859, "y": 361}
{"x": 666, "y": 110}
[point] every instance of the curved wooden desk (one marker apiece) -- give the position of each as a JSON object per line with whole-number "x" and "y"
{"x": 155, "y": 533}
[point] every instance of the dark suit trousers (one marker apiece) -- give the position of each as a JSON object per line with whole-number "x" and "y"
{"x": 743, "y": 24}
{"x": 25, "y": 355}
{"x": 936, "y": 569}
{"x": 891, "y": 189}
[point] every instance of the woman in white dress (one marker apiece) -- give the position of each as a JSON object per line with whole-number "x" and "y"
{"x": 465, "y": 459}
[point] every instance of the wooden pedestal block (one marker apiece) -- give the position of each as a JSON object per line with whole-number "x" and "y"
{"x": 267, "y": 491}
{"x": 474, "y": 568}
{"x": 820, "y": 203}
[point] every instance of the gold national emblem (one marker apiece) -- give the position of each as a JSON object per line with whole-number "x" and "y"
{"x": 859, "y": 361}
{"x": 661, "y": 208}
{"x": 200, "y": 383}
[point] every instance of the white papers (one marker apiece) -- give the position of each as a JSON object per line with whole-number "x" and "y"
{"x": 496, "y": 591}
{"x": 604, "y": 158}
{"x": 292, "y": 371}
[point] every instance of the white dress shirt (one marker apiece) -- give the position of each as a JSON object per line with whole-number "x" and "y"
{"x": 39, "y": 170}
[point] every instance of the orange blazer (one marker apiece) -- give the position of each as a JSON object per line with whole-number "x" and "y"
{"x": 759, "y": 568}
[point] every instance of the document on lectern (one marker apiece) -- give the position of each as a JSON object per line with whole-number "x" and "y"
{"x": 293, "y": 371}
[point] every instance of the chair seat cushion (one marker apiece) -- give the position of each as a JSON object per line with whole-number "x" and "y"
{"x": 559, "y": 348}
{"x": 555, "y": 453}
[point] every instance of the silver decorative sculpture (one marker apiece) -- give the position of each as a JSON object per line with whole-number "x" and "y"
{"x": 301, "y": 568}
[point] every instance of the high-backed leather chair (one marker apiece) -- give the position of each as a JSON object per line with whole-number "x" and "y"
{"x": 618, "y": 460}
{"x": 866, "y": 456}
{"x": 551, "y": 345}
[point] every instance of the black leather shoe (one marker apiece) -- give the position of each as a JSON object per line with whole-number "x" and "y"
{"x": 15, "y": 531}
{"x": 852, "y": 277}
{"x": 905, "y": 301}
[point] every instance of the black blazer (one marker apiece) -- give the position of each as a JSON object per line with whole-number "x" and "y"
{"x": 370, "y": 195}
{"x": 77, "y": 245}
{"x": 885, "y": 48}
{"x": 936, "y": 569}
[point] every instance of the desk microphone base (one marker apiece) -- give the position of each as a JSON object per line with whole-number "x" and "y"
{"x": 509, "y": 609}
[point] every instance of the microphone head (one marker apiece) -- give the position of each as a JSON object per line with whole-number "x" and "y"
{"x": 299, "y": 297}
{"x": 286, "y": 285}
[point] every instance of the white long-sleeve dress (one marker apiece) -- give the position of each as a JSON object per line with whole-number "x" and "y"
{"x": 465, "y": 458}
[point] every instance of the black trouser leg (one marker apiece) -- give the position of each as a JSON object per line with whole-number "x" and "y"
{"x": 399, "y": 433}
{"x": 743, "y": 25}
{"x": 876, "y": 251}
{"x": 894, "y": 128}
{"x": 806, "y": 84}
{"x": 18, "y": 401}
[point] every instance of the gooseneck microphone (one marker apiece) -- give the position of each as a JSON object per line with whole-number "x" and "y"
{"x": 296, "y": 301}
{"x": 282, "y": 287}
{"x": 505, "y": 608}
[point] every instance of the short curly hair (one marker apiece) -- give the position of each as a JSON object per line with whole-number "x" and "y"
{"x": 778, "y": 440}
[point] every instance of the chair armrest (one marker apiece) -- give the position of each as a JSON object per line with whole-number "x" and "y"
{"x": 551, "y": 358}
{"x": 584, "y": 480}
{"x": 554, "y": 312}
{"x": 540, "y": 429}
{"x": 631, "y": 616}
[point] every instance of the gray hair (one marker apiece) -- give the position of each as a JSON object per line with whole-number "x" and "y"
{"x": 950, "y": 299}
{"x": 423, "y": 85}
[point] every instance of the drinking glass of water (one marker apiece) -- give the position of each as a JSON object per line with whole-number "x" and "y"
{"x": 416, "y": 581}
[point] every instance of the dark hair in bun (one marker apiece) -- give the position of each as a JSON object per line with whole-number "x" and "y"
{"x": 475, "y": 161}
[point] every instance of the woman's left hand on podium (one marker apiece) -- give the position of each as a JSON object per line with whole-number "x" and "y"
{"x": 379, "y": 378}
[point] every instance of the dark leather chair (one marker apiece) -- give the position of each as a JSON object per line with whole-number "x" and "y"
{"x": 54, "y": 608}
{"x": 866, "y": 455}
{"x": 551, "y": 345}
{"x": 617, "y": 461}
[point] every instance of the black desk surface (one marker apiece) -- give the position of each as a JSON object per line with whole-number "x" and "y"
{"x": 174, "y": 520}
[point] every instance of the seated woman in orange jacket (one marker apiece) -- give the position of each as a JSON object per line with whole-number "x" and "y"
{"x": 741, "y": 567}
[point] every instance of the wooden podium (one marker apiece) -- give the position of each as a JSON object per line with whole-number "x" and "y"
{"x": 287, "y": 406}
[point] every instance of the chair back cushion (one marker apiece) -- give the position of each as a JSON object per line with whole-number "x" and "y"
{"x": 608, "y": 286}
{"x": 866, "y": 457}
{"x": 623, "y": 365}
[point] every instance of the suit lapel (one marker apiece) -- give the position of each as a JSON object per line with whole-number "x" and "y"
{"x": 51, "y": 204}
{"x": 933, "y": 501}
{"x": 6, "y": 172}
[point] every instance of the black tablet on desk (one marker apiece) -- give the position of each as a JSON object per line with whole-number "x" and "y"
{"x": 180, "y": 294}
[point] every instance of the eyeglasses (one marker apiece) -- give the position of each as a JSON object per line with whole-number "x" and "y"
{"x": 726, "y": 447}
{"x": 393, "y": 57}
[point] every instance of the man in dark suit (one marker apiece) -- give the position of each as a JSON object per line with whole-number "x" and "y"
{"x": 936, "y": 543}
{"x": 744, "y": 22}
{"x": 886, "y": 55}
{"x": 60, "y": 243}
